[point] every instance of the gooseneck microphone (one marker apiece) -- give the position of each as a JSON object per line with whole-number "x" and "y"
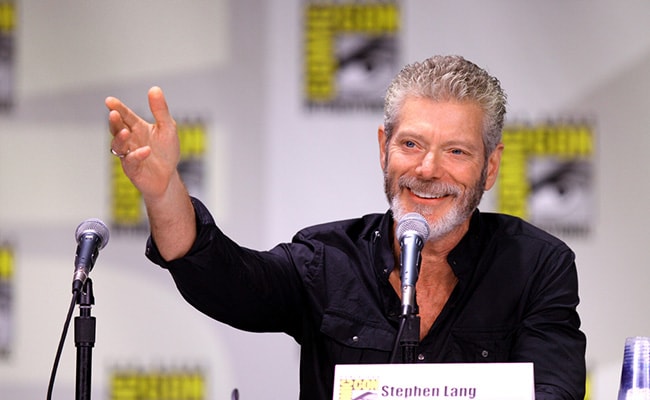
{"x": 92, "y": 235}
{"x": 412, "y": 231}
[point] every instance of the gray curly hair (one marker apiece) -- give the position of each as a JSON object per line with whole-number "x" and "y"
{"x": 443, "y": 78}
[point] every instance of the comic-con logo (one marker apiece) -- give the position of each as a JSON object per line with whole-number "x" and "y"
{"x": 358, "y": 389}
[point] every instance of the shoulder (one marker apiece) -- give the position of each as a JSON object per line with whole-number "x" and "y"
{"x": 508, "y": 226}
{"x": 519, "y": 239}
{"x": 346, "y": 229}
{"x": 526, "y": 253}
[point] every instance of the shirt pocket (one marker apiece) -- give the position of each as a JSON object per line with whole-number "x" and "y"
{"x": 469, "y": 345}
{"x": 350, "y": 341}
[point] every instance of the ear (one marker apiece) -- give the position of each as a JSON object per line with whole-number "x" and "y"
{"x": 381, "y": 139}
{"x": 493, "y": 166}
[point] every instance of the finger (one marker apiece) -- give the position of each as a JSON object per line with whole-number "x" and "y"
{"x": 133, "y": 163}
{"x": 115, "y": 123}
{"x": 159, "y": 108}
{"x": 135, "y": 157}
{"x": 129, "y": 118}
{"x": 119, "y": 144}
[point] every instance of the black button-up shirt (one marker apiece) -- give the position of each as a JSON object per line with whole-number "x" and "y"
{"x": 515, "y": 300}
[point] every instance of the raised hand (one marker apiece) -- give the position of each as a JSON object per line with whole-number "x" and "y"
{"x": 149, "y": 152}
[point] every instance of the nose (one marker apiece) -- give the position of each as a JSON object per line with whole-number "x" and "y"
{"x": 429, "y": 167}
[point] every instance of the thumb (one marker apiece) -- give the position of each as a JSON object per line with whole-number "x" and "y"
{"x": 159, "y": 108}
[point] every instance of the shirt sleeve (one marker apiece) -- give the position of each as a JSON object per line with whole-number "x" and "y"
{"x": 550, "y": 334}
{"x": 258, "y": 291}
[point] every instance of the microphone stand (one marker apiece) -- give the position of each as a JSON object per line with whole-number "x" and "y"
{"x": 84, "y": 337}
{"x": 410, "y": 337}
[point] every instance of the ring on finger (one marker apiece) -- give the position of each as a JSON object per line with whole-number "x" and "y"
{"x": 118, "y": 155}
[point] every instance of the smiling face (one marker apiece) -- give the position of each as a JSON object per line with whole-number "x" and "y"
{"x": 435, "y": 163}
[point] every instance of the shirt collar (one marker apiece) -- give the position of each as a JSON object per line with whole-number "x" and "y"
{"x": 465, "y": 256}
{"x": 462, "y": 258}
{"x": 382, "y": 245}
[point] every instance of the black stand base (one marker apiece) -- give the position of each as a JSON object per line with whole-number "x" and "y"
{"x": 84, "y": 337}
{"x": 410, "y": 338}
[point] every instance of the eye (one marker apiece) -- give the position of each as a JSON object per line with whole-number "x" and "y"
{"x": 410, "y": 144}
{"x": 457, "y": 152}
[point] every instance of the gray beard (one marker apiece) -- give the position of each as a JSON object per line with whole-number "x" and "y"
{"x": 461, "y": 211}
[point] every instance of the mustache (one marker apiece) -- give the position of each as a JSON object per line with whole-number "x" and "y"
{"x": 428, "y": 188}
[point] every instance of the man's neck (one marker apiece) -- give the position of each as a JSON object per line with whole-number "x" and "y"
{"x": 436, "y": 250}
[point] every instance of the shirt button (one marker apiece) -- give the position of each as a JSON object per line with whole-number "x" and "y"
{"x": 421, "y": 357}
{"x": 355, "y": 339}
{"x": 484, "y": 354}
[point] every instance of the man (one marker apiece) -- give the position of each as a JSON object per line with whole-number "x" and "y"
{"x": 491, "y": 287}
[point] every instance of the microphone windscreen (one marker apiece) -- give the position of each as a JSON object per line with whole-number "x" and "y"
{"x": 96, "y": 226}
{"x": 413, "y": 222}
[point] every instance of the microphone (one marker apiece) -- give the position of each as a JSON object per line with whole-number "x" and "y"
{"x": 412, "y": 231}
{"x": 92, "y": 235}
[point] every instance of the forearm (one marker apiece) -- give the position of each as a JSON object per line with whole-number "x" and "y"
{"x": 172, "y": 220}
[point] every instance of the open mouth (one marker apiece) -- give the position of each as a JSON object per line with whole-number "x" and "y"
{"x": 429, "y": 195}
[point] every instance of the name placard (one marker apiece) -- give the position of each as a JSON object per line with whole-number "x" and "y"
{"x": 476, "y": 381}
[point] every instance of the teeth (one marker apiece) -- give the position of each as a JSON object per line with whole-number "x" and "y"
{"x": 429, "y": 196}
